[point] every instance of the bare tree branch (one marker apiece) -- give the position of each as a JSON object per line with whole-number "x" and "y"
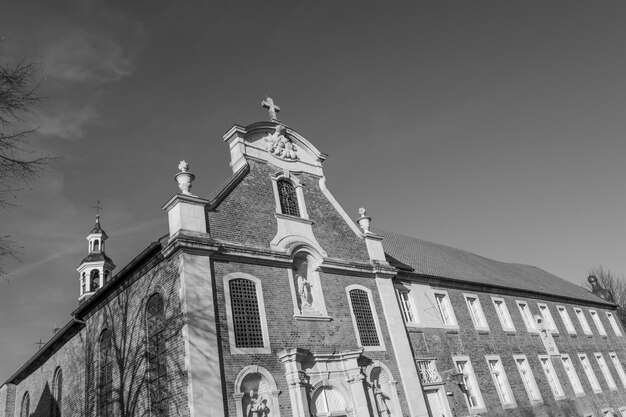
{"x": 614, "y": 283}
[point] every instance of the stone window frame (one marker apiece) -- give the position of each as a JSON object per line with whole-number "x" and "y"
{"x": 298, "y": 187}
{"x": 548, "y": 369}
{"x": 582, "y": 320}
{"x": 56, "y": 405}
{"x": 25, "y": 405}
{"x": 503, "y": 312}
{"x": 566, "y": 319}
{"x": 590, "y": 373}
{"x": 512, "y": 403}
{"x": 572, "y": 375}
{"x": 527, "y": 316}
{"x": 157, "y": 293}
{"x": 234, "y": 350}
{"x": 402, "y": 288}
{"x": 274, "y": 393}
{"x": 476, "y": 312}
{"x": 606, "y": 372}
{"x": 317, "y": 259}
{"x": 470, "y": 377}
{"x": 381, "y": 341}
{"x": 545, "y": 312}
{"x": 595, "y": 317}
{"x": 447, "y": 305}
{"x": 614, "y": 325}
{"x": 618, "y": 367}
{"x": 530, "y": 383}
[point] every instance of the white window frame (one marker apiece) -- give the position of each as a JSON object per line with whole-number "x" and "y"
{"x": 527, "y": 316}
{"x": 501, "y": 382}
{"x": 407, "y": 307}
{"x": 618, "y": 367}
{"x": 381, "y": 340}
{"x": 591, "y": 375}
{"x": 528, "y": 378}
{"x": 476, "y": 312}
{"x": 572, "y": 375}
{"x": 606, "y": 372}
{"x": 596, "y": 320}
{"x": 445, "y": 305}
{"x": 234, "y": 350}
{"x": 503, "y": 314}
{"x": 611, "y": 317}
{"x": 552, "y": 377}
{"x": 566, "y": 319}
{"x": 297, "y": 185}
{"x": 582, "y": 320}
{"x": 545, "y": 312}
{"x": 471, "y": 384}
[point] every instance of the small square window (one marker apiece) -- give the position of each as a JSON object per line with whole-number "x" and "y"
{"x": 476, "y": 312}
{"x": 503, "y": 314}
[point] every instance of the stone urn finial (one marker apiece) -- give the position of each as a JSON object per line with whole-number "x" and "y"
{"x": 364, "y": 220}
{"x": 184, "y": 178}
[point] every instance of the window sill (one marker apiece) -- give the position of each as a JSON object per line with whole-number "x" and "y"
{"x": 452, "y": 331}
{"x": 311, "y": 318}
{"x": 509, "y": 406}
{"x": 293, "y": 218}
{"x": 248, "y": 351}
{"x": 483, "y": 331}
{"x": 573, "y": 335}
{"x": 373, "y": 348}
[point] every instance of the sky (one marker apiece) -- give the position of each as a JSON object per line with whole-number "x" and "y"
{"x": 495, "y": 127}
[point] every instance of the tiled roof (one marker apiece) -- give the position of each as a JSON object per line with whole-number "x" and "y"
{"x": 433, "y": 259}
{"x": 96, "y": 257}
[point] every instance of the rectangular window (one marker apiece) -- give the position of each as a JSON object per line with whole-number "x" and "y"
{"x": 476, "y": 312}
{"x": 501, "y": 381}
{"x": 473, "y": 397}
{"x": 582, "y": 320}
{"x": 527, "y": 316}
{"x": 572, "y": 375}
{"x": 503, "y": 314}
{"x": 591, "y": 375}
{"x": 596, "y": 319}
{"x": 547, "y": 317}
{"x": 445, "y": 308}
{"x": 614, "y": 324}
{"x": 605, "y": 371}
{"x": 552, "y": 377}
{"x": 567, "y": 321}
{"x": 406, "y": 306}
{"x": 528, "y": 379}
{"x": 618, "y": 367}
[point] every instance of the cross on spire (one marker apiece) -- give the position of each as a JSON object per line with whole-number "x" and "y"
{"x": 273, "y": 109}
{"x": 40, "y": 343}
{"x": 98, "y": 208}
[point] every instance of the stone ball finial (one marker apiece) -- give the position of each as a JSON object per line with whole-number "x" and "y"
{"x": 184, "y": 178}
{"x": 592, "y": 279}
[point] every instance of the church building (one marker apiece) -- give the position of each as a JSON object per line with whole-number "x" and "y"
{"x": 268, "y": 299}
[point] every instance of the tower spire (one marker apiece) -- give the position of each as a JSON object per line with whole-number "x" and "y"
{"x": 95, "y": 269}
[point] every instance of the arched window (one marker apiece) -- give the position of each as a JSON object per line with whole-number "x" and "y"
{"x": 57, "y": 393}
{"x": 25, "y": 410}
{"x": 365, "y": 323}
{"x": 288, "y": 198}
{"x": 245, "y": 311}
{"x": 157, "y": 370}
{"x": 83, "y": 284}
{"x": 96, "y": 244}
{"x": 94, "y": 279}
{"x": 105, "y": 383}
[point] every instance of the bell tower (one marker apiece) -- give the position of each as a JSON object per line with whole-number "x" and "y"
{"x": 96, "y": 269}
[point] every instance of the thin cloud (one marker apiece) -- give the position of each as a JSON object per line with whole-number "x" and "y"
{"x": 67, "y": 122}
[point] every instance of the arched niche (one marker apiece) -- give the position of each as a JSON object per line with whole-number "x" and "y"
{"x": 329, "y": 400}
{"x": 382, "y": 390}
{"x": 305, "y": 284}
{"x": 256, "y": 393}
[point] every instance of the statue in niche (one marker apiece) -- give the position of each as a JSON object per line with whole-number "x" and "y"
{"x": 257, "y": 406}
{"x": 304, "y": 286}
{"x": 278, "y": 144}
{"x": 381, "y": 401}
{"x": 379, "y": 378}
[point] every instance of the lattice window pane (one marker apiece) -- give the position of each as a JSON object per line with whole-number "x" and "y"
{"x": 288, "y": 198}
{"x": 156, "y": 355}
{"x": 246, "y": 317}
{"x": 364, "y": 318}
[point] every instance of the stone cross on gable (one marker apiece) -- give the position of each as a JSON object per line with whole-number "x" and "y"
{"x": 268, "y": 103}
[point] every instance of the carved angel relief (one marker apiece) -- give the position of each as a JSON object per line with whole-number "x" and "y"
{"x": 278, "y": 144}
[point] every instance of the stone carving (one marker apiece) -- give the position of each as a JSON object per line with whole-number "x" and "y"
{"x": 278, "y": 144}
{"x": 184, "y": 178}
{"x": 381, "y": 401}
{"x": 364, "y": 220}
{"x": 273, "y": 109}
{"x": 257, "y": 406}
{"x": 183, "y": 166}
